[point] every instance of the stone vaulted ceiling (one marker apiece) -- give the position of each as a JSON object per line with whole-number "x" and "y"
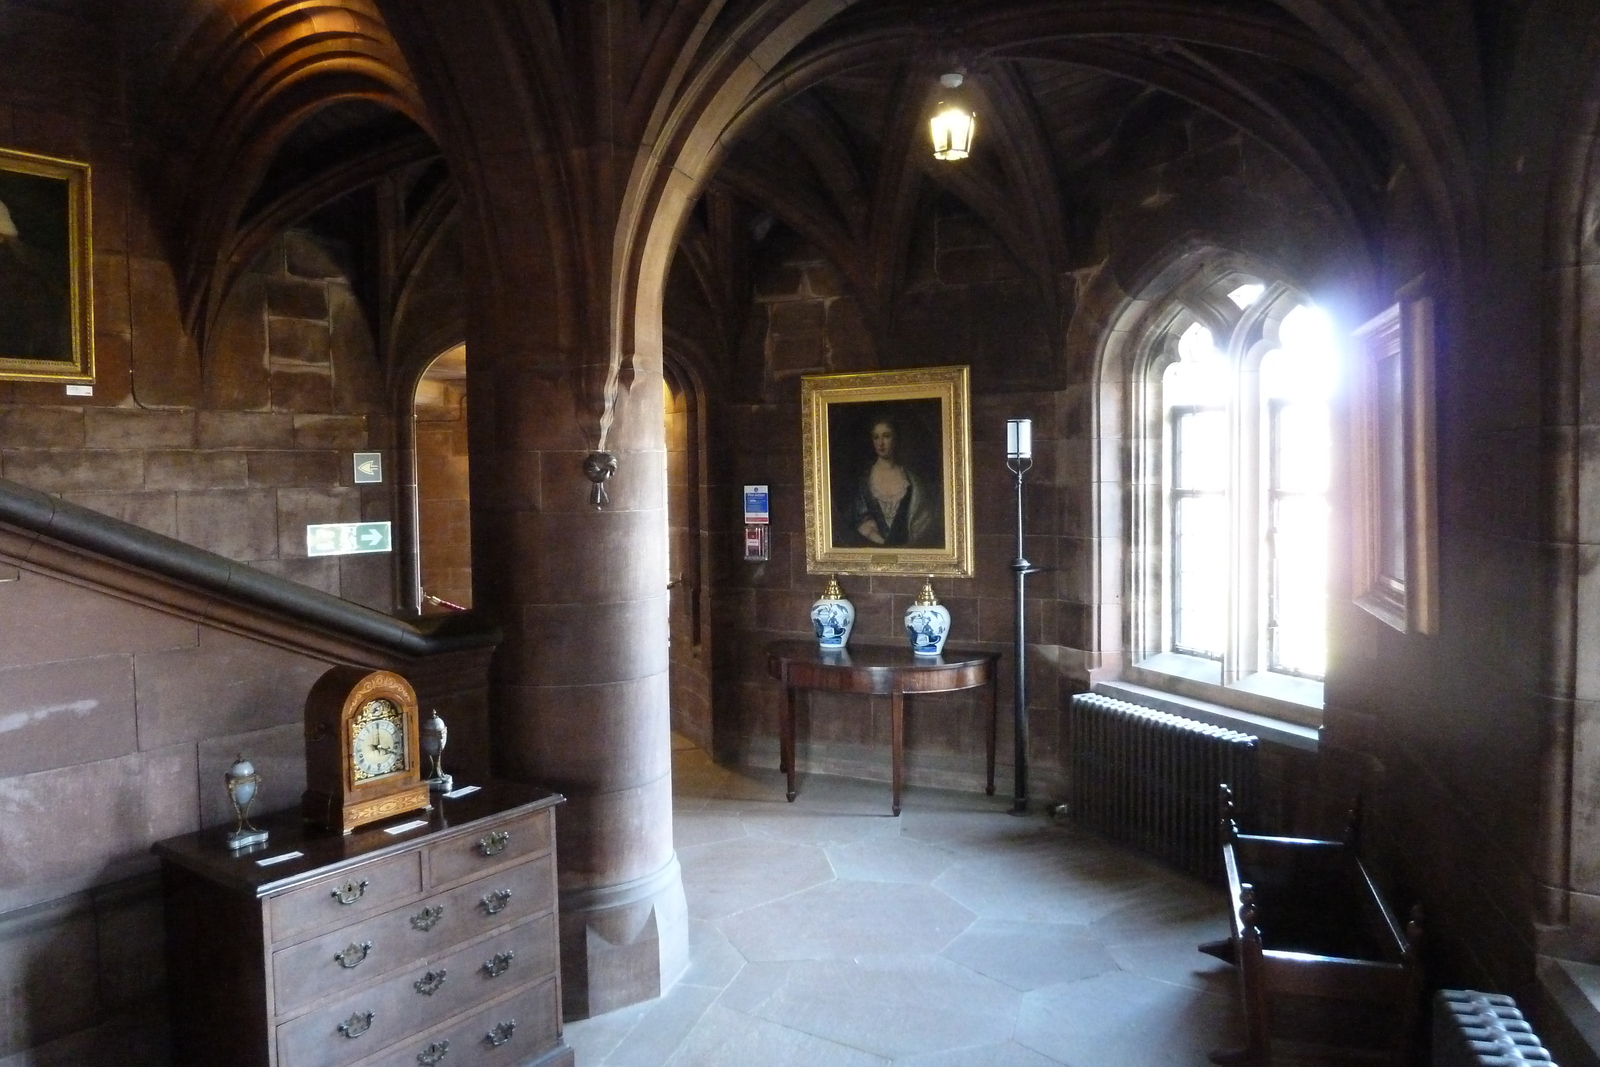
{"x": 264, "y": 111}
{"x": 1070, "y": 99}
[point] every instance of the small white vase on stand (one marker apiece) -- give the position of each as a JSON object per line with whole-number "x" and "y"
{"x": 832, "y": 617}
{"x": 927, "y": 623}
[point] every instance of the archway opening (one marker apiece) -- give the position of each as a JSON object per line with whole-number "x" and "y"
{"x": 443, "y": 499}
{"x": 689, "y": 664}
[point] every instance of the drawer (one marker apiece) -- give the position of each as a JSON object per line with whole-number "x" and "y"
{"x": 477, "y": 853}
{"x": 341, "y": 899}
{"x": 419, "y": 997}
{"x": 525, "y": 1025}
{"x": 311, "y": 970}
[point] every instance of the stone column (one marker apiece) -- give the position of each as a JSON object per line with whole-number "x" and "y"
{"x": 539, "y": 119}
{"x": 580, "y": 697}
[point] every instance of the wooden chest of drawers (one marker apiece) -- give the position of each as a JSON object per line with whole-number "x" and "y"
{"x": 435, "y": 946}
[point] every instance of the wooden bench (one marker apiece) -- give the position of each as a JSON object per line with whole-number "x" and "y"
{"x": 1324, "y": 967}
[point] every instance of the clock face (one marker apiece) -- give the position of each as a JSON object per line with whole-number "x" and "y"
{"x": 377, "y": 741}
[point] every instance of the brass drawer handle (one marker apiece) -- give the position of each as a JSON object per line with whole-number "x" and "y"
{"x": 429, "y": 983}
{"x": 358, "y": 1023}
{"x": 427, "y": 918}
{"x": 353, "y": 955}
{"x": 499, "y": 964}
{"x": 350, "y": 892}
{"x": 495, "y": 843}
{"x": 495, "y": 902}
{"x": 434, "y": 1053}
{"x": 501, "y": 1033}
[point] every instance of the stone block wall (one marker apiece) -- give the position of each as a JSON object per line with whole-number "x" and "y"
{"x": 1034, "y": 350}
{"x": 117, "y": 717}
{"x": 801, "y": 324}
{"x": 233, "y": 449}
{"x": 118, "y": 721}
{"x": 119, "y": 713}
{"x": 291, "y": 389}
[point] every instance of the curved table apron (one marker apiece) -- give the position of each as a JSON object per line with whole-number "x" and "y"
{"x": 877, "y": 670}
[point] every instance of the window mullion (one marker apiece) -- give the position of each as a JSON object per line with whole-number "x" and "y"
{"x": 1231, "y": 519}
{"x": 1244, "y": 541}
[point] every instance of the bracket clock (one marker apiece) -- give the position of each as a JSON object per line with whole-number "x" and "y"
{"x": 362, "y": 759}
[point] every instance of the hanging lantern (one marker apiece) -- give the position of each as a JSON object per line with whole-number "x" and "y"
{"x": 954, "y": 122}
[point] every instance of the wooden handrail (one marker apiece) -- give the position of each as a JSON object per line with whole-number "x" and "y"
{"x": 43, "y": 531}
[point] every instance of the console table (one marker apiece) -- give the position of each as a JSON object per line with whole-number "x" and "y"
{"x": 877, "y": 670}
{"x": 418, "y": 940}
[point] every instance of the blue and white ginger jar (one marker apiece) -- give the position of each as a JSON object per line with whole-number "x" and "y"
{"x": 927, "y": 623}
{"x": 832, "y": 617}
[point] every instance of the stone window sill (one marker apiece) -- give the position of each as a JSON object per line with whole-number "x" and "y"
{"x": 1570, "y": 992}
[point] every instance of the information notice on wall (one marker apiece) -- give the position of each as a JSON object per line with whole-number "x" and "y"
{"x": 755, "y": 505}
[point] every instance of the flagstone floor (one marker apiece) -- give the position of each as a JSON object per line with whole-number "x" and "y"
{"x": 826, "y": 933}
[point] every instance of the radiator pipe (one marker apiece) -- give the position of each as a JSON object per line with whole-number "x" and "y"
{"x": 1019, "y": 458}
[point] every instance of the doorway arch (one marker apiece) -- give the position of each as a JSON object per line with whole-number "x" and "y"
{"x": 688, "y": 554}
{"x": 439, "y": 486}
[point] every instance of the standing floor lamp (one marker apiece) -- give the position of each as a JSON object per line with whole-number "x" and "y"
{"x": 1019, "y": 458}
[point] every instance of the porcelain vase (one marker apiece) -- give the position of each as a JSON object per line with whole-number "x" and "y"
{"x": 927, "y": 623}
{"x": 832, "y": 618}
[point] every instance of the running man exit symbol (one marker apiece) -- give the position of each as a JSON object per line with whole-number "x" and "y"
{"x": 347, "y": 538}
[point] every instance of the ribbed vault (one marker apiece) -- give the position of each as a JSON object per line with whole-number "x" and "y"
{"x": 599, "y": 125}
{"x": 260, "y": 112}
{"x": 830, "y": 140}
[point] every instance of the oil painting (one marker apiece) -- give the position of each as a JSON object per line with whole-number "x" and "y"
{"x": 46, "y": 318}
{"x": 887, "y": 480}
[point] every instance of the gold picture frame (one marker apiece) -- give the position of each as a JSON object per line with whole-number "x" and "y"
{"x": 46, "y": 270}
{"x": 888, "y": 477}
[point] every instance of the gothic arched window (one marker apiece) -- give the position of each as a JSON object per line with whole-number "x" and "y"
{"x": 1228, "y": 546}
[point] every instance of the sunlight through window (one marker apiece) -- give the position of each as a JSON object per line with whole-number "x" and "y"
{"x": 1246, "y": 459}
{"x": 1196, "y": 388}
{"x": 1297, "y": 385}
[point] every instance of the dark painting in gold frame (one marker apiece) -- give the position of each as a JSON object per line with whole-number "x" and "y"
{"x": 887, "y": 470}
{"x": 46, "y": 270}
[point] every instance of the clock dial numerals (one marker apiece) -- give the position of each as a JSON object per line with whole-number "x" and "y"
{"x": 377, "y": 741}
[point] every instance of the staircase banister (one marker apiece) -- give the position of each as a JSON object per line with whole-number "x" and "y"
{"x": 51, "y": 517}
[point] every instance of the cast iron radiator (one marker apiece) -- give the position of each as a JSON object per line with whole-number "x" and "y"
{"x": 1472, "y": 1029}
{"x": 1149, "y": 779}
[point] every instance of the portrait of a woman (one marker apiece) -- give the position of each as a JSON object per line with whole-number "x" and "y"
{"x": 35, "y": 269}
{"x": 886, "y": 497}
{"x": 888, "y": 477}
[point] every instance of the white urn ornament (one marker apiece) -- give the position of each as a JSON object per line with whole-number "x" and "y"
{"x": 243, "y": 784}
{"x": 927, "y": 623}
{"x": 832, "y": 617}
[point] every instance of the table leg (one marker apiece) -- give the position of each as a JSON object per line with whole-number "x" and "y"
{"x": 994, "y": 686}
{"x": 783, "y": 729}
{"x": 786, "y": 741}
{"x": 897, "y": 733}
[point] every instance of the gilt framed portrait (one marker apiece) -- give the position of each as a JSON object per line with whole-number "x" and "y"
{"x": 46, "y": 270}
{"x": 888, "y": 483}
